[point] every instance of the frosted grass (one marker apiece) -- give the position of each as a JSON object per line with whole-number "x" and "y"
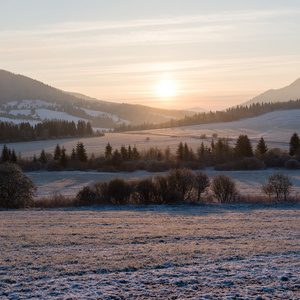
{"x": 165, "y": 252}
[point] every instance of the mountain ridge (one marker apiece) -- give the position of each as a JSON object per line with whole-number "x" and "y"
{"x": 16, "y": 88}
{"x": 284, "y": 94}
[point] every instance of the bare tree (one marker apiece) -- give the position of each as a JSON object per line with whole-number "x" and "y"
{"x": 201, "y": 183}
{"x": 278, "y": 185}
{"x": 224, "y": 188}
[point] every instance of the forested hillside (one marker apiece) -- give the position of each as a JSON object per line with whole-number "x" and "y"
{"x": 228, "y": 115}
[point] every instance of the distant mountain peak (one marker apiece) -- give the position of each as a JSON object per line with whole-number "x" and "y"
{"x": 287, "y": 93}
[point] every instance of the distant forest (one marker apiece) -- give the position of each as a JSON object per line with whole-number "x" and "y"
{"x": 228, "y": 115}
{"x": 10, "y": 132}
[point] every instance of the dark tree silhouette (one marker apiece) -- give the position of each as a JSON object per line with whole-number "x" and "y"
{"x": 261, "y": 148}
{"x": 243, "y": 147}
{"x": 294, "y": 144}
{"x": 16, "y": 189}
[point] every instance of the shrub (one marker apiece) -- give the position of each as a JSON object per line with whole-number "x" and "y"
{"x": 224, "y": 188}
{"x": 102, "y": 195}
{"x": 163, "y": 190}
{"x": 292, "y": 164}
{"x": 86, "y": 196}
{"x": 54, "y": 166}
{"x": 201, "y": 183}
{"x": 145, "y": 191}
{"x": 278, "y": 185}
{"x": 16, "y": 189}
{"x": 181, "y": 184}
{"x": 248, "y": 163}
{"x": 251, "y": 163}
{"x": 119, "y": 191}
{"x": 157, "y": 166}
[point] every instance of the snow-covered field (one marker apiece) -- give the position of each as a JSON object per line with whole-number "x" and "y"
{"x": 69, "y": 183}
{"x": 276, "y": 128}
{"x": 162, "y": 252}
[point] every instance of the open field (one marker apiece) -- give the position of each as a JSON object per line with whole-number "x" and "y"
{"x": 162, "y": 252}
{"x": 276, "y": 128}
{"x": 69, "y": 183}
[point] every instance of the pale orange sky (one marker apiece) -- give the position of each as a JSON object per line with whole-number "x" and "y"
{"x": 214, "y": 54}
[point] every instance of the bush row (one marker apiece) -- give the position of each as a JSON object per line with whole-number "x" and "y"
{"x": 177, "y": 186}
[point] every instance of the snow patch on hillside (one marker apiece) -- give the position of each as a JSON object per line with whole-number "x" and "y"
{"x": 31, "y": 104}
{"x": 96, "y": 113}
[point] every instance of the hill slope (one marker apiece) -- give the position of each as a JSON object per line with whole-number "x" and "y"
{"x": 25, "y": 99}
{"x": 291, "y": 92}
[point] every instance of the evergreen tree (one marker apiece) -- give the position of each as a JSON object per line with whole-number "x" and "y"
{"x": 81, "y": 152}
{"x": 116, "y": 159}
{"x": 135, "y": 153}
{"x": 43, "y": 157}
{"x": 73, "y": 154}
{"x": 5, "y": 156}
{"x": 13, "y": 157}
{"x": 124, "y": 153}
{"x": 57, "y": 152}
{"x": 129, "y": 153}
{"x": 261, "y": 147}
{"x": 201, "y": 152}
{"x": 167, "y": 153}
{"x": 108, "y": 151}
{"x": 63, "y": 158}
{"x": 243, "y": 147}
{"x": 294, "y": 144}
{"x": 186, "y": 152}
{"x": 89, "y": 129}
{"x": 180, "y": 151}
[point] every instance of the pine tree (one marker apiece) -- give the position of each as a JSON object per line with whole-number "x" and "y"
{"x": 73, "y": 154}
{"x": 180, "y": 151}
{"x": 108, "y": 151}
{"x": 13, "y": 157}
{"x": 186, "y": 151}
{"x": 129, "y": 153}
{"x": 243, "y": 147}
{"x": 135, "y": 153}
{"x": 89, "y": 129}
{"x": 261, "y": 148}
{"x": 294, "y": 144}
{"x": 5, "y": 156}
{"x": 116, "y": 159}
{"x": 57, "y": 152}
{"x": 63, "y": 158}
{"x": 124, "y": 153}
{"x": 43, "y": 157}
{"x": 81, "y": 152}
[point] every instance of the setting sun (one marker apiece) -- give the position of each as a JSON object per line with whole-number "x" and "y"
{"x": 166, "y": 88}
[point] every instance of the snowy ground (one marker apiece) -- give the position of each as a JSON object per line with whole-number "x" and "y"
{"x": 276, "y": 128}
{"x": 69, "y": 183}
{"x": 163, "y": 252}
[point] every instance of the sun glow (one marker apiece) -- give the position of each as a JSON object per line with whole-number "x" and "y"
{"x": 166, "y": 88}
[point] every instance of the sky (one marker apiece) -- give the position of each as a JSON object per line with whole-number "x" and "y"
{"x": 174, "y": 54}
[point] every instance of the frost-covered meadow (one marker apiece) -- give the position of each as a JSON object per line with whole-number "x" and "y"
{"x": 162, "y": 252}
{"x": 69, "y": 183}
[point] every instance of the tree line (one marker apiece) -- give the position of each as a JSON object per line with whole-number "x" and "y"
{"x": 10, "y": 132}
{"x": 231, "y": 114}
{"x": 219, "y": 153}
